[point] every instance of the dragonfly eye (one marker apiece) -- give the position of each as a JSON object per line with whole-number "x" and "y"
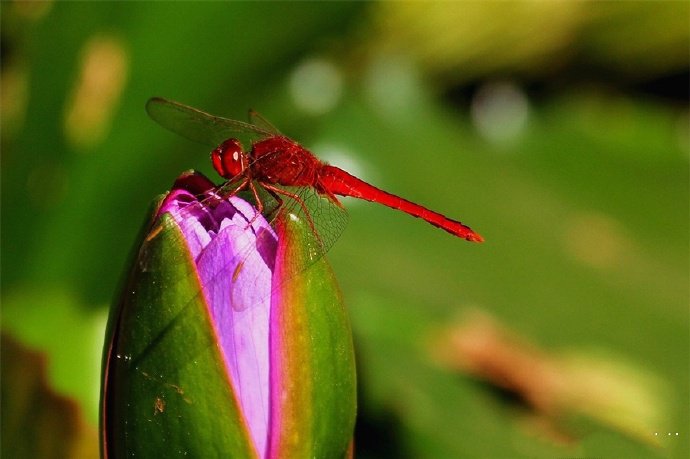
{"x": 229, "y": 159}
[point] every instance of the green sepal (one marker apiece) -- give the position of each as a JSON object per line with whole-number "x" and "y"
{"x": 313, "y": 376}
{"x": 165, "y": 390}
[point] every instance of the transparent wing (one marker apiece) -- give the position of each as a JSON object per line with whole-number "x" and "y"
{"x": 197, "y": 125}
{"x": 323, "y": 220}
{"x": 259, "y": 121}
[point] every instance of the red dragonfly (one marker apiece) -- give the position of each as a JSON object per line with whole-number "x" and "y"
{"x": 280, "y": 167}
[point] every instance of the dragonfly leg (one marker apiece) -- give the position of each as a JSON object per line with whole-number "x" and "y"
{"x": 276, "y": 196}
{"x": 259, "y": 202}
{"x": 246, "y": 181}
{"x": 235, "y": 189}
{"x": 332, "y": 197}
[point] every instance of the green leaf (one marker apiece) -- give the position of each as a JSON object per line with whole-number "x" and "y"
{"x": 313, "y": 378}
{"x": 165, "y": 388}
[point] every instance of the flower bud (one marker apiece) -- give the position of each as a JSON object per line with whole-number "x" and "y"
{"x": 215, "y": 348}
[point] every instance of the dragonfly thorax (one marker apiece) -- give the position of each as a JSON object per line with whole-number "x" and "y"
{"x": 229, "y": 159}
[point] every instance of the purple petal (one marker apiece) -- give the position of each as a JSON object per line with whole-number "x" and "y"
{"x": 234, "y": 249}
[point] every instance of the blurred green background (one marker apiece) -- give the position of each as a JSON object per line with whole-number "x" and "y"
{"x": 559, "y": 131}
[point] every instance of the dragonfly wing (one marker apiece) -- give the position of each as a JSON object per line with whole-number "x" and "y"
{"x": 256, "y": 119}
{"x": 197, "y": 125}
{"x": 325, "y": 219}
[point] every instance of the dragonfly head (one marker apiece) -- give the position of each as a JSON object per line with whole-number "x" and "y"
{"x": 229, "y": 159}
